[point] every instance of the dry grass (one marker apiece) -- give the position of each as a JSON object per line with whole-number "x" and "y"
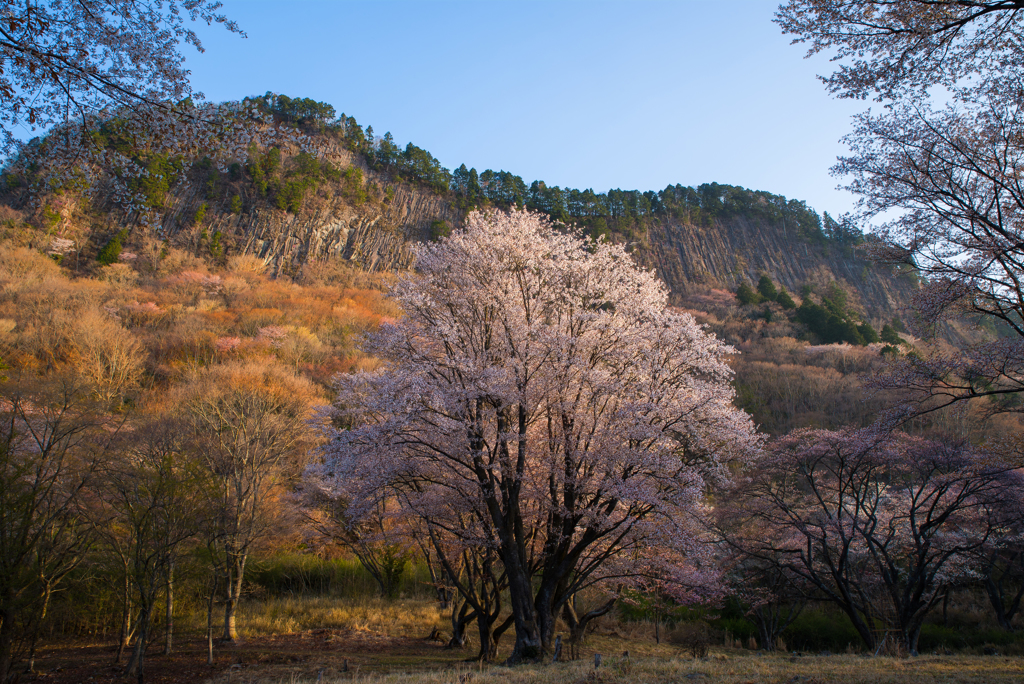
{"x": 396, "y": 618}
{"x": 726, "y": 669}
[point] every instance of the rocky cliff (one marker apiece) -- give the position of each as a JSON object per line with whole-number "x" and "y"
{"x": 371, "y": 219}
{"x": 739, "y": 248}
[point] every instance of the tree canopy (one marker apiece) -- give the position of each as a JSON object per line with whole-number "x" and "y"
{"x": 538, "y": 386}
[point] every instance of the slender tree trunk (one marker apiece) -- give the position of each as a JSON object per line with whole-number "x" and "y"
{"x": 6, "y": 641}
{"x": 209, "y": 619}
{"x": 37, "y": 625}
{"x": 126, "y": 620}
{"x": 135, "y": 664}
{"x": 488, "y": 646}
{"x": 460, "y": 618}
{"x": 169, "y": 615}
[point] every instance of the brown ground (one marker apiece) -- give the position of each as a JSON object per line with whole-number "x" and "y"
{"x": 303, "y": 654}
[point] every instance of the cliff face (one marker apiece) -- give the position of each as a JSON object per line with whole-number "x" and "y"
{"x": 374, "y": 235}
{"x": 739, "y": 248}
{"x": 375, "y": 227}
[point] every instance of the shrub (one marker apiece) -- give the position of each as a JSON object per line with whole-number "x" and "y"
{"x": 746, "y": 295}
{"x": 890, "y": 336}
{"x": 821, "y": 630}
{"x": 785, "y": 299}
{"x": 200, "y": 214}
{"x": 439, "y": 229}
{"x": 112, "y": 250}
{"x": 868, "y": 333}
{"x": 236, "y": 205}
{"x": 693, "y": 637}
{"x": 766, "y": 288}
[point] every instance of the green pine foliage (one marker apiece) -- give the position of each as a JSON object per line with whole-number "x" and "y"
{"x": 112, "y": 250}
{"x": 890, "y": 336}
{"x": 216, "y": 247}
{"x": 831, "y": 321}
{"x": 785, "y": 300}
{"x": 766, "y": 288}
{"x": 746, "y": 295}
{"x": 439, "y": 229}
{"x": 162, "y": 172}
{"x": 236, "y": 205}
{"x": 868, "y": 333}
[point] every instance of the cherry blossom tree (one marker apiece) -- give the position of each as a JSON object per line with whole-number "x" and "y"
{"x": 70, "y": 59}
{"x": 881, "y": 525}
{"x": 893, "y": 48}
{"x": 540, "y": 379}
{"x": 945, "y": 175}
{"x": 86, "y": 72}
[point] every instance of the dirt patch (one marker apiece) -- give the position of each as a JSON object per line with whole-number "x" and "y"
{"x": 302, "y": 653}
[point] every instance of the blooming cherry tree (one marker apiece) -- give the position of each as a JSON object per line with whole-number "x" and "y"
{"x": 881, "y": 525}
{"x": 538, "y": 382}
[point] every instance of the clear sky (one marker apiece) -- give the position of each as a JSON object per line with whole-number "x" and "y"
{"x": 634, "y": 94}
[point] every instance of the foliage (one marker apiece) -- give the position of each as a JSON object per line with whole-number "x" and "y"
{"x": 901, "y": 48}
{"x": 746, "y": 295}
{"x": 112, "y": 250}
{"x": 299, "y": 110}
{"x": 784, "y": 299}
{"x": 832, "y": 322}
{"x": 879, "y": 525}
{"x": 63, "y": 60}
{"x": 439, "y": 229}
{"x": 766, "y": 288}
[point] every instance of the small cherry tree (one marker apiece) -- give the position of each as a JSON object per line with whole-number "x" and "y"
{"x": 540, "y": 379}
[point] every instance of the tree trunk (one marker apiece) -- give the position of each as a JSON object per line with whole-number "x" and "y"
{"x": 135, "y": 664}
{"x": 488, "y": 646}
{"x": 546, "y": 618}
{"x": 126, "y": 621}
{"x": 169, "y": 614}
{"x": 578, "y": 623}
{"x": 232, "y": 592}
{"x": 209, "y": 619}
{"x": 528, "y": 636}
{"x": 6, "y": 643}
{"x": 461, "y": 616}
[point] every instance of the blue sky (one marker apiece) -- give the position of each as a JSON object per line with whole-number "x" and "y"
{"x": 631, "y": 95}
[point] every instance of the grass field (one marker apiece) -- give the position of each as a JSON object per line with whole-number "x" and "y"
{"x": 727, "y": 669}
{"x": 319, "y": 640}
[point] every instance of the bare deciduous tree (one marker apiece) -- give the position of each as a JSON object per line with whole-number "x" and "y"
{"x": 248, "y": 420}
{"x": 51, "y": 441}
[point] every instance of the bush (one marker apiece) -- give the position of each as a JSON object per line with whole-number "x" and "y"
{"x": 821, "y": 630}
{"x": 766, "y": 288}
{"x": 439, "y": 229}
{"x": 868, "y": 333}
{"x": 112, "y": 250}
{"x": 693, "y": 637}
{"x": 746, "y": 295}
{"x": 785, "y": 299}
{"x": 890, "y": 336}
{"x": 200, "y": 214}
{"x": 936, "y": 638}
{"x": 236, "y": 205}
